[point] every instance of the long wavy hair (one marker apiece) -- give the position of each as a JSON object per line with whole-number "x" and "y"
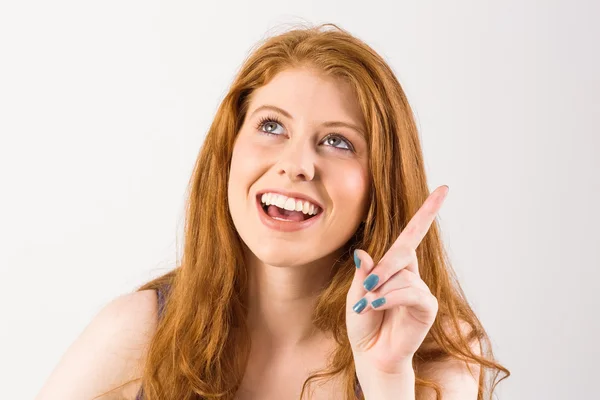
{"x": 200, "y": 347}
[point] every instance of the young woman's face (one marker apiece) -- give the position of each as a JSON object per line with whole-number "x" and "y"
{"x": 293, "y": 152}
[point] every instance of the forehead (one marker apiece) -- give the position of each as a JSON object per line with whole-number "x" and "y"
{"x": 307, "y": 94}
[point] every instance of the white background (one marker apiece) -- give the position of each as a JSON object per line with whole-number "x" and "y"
{"x": 104, "y": 106}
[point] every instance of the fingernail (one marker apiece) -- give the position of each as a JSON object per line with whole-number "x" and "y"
{"x": 378, "y": 302}
{"x": 356, "y": 260}
{"x": 371, "y": 281}
{"x": 360, "y": 305}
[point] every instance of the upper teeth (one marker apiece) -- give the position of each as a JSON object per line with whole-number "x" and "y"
{"x": 289, "y": 203}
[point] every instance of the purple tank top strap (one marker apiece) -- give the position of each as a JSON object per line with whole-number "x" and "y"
{"x": 160, "y": 292}
{"x": 161, "y": 295}
{"x": 357, "y": 390}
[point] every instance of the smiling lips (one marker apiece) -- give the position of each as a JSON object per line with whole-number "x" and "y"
{"x": 286, "y": 214}
{"x": 292, "y": 205}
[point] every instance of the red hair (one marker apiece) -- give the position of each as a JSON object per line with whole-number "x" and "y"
{"x": 201, "y": 346}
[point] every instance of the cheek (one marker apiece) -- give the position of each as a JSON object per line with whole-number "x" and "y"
{"x": 351, "y": 187}
{"x": 246, "y": 162}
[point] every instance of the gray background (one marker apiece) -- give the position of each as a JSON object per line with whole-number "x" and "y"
{"x": 104, "y": 105}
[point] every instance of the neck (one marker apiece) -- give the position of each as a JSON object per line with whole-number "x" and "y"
{"x": 281, "y": 301}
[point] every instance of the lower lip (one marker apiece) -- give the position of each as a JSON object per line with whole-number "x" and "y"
{"x": 284, "y": 226}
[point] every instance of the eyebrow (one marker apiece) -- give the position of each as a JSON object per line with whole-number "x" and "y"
{"x": 329, "y": 124}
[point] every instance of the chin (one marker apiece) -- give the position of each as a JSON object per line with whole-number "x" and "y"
{"x": 281, "y": 256}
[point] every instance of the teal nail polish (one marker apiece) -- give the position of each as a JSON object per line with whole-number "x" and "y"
{"x": 356, "y": 260}
{"x": 360, "y": 305}
{"x": 371, "y": 281}
{"x": 378, "y": 303}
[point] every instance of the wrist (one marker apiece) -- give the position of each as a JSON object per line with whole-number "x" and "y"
{"x": 397, "y": 384}
{"x": 400, "y": 368}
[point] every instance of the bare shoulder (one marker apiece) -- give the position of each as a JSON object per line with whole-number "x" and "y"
{"x": 109, "y": 352}
{"x": 458, "y": 379}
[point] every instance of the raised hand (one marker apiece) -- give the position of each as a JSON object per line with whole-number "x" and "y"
{"x": 389, "y": 309}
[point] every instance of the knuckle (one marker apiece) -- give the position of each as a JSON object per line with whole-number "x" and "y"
{"x": 406, "y": 255}
{"x": 434, "y": 299}
{"x": 426, "y": 287}
{"x": 409, "y": 229}
{"x": 412, "y": 254}
{"x": 434, "y": 302}
{"x": 407, "y": 276}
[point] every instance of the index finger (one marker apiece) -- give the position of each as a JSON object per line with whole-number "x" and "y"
{"x": 419, "y": 225}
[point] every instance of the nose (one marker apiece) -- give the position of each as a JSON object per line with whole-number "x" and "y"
{"x": 297, "y": 161}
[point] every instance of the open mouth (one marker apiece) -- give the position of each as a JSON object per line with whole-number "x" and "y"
{"x": 281, "y": 214}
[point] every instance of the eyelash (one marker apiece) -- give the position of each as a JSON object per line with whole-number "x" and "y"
{"x": 273, "y": 118}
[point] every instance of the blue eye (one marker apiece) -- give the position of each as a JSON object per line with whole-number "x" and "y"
{"x": 263, "y": 121}
{"x": 341, "y": 140}
{"x": 274, "y": 120}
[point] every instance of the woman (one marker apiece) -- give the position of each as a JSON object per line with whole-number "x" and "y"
{"x": 312, "y": 260}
